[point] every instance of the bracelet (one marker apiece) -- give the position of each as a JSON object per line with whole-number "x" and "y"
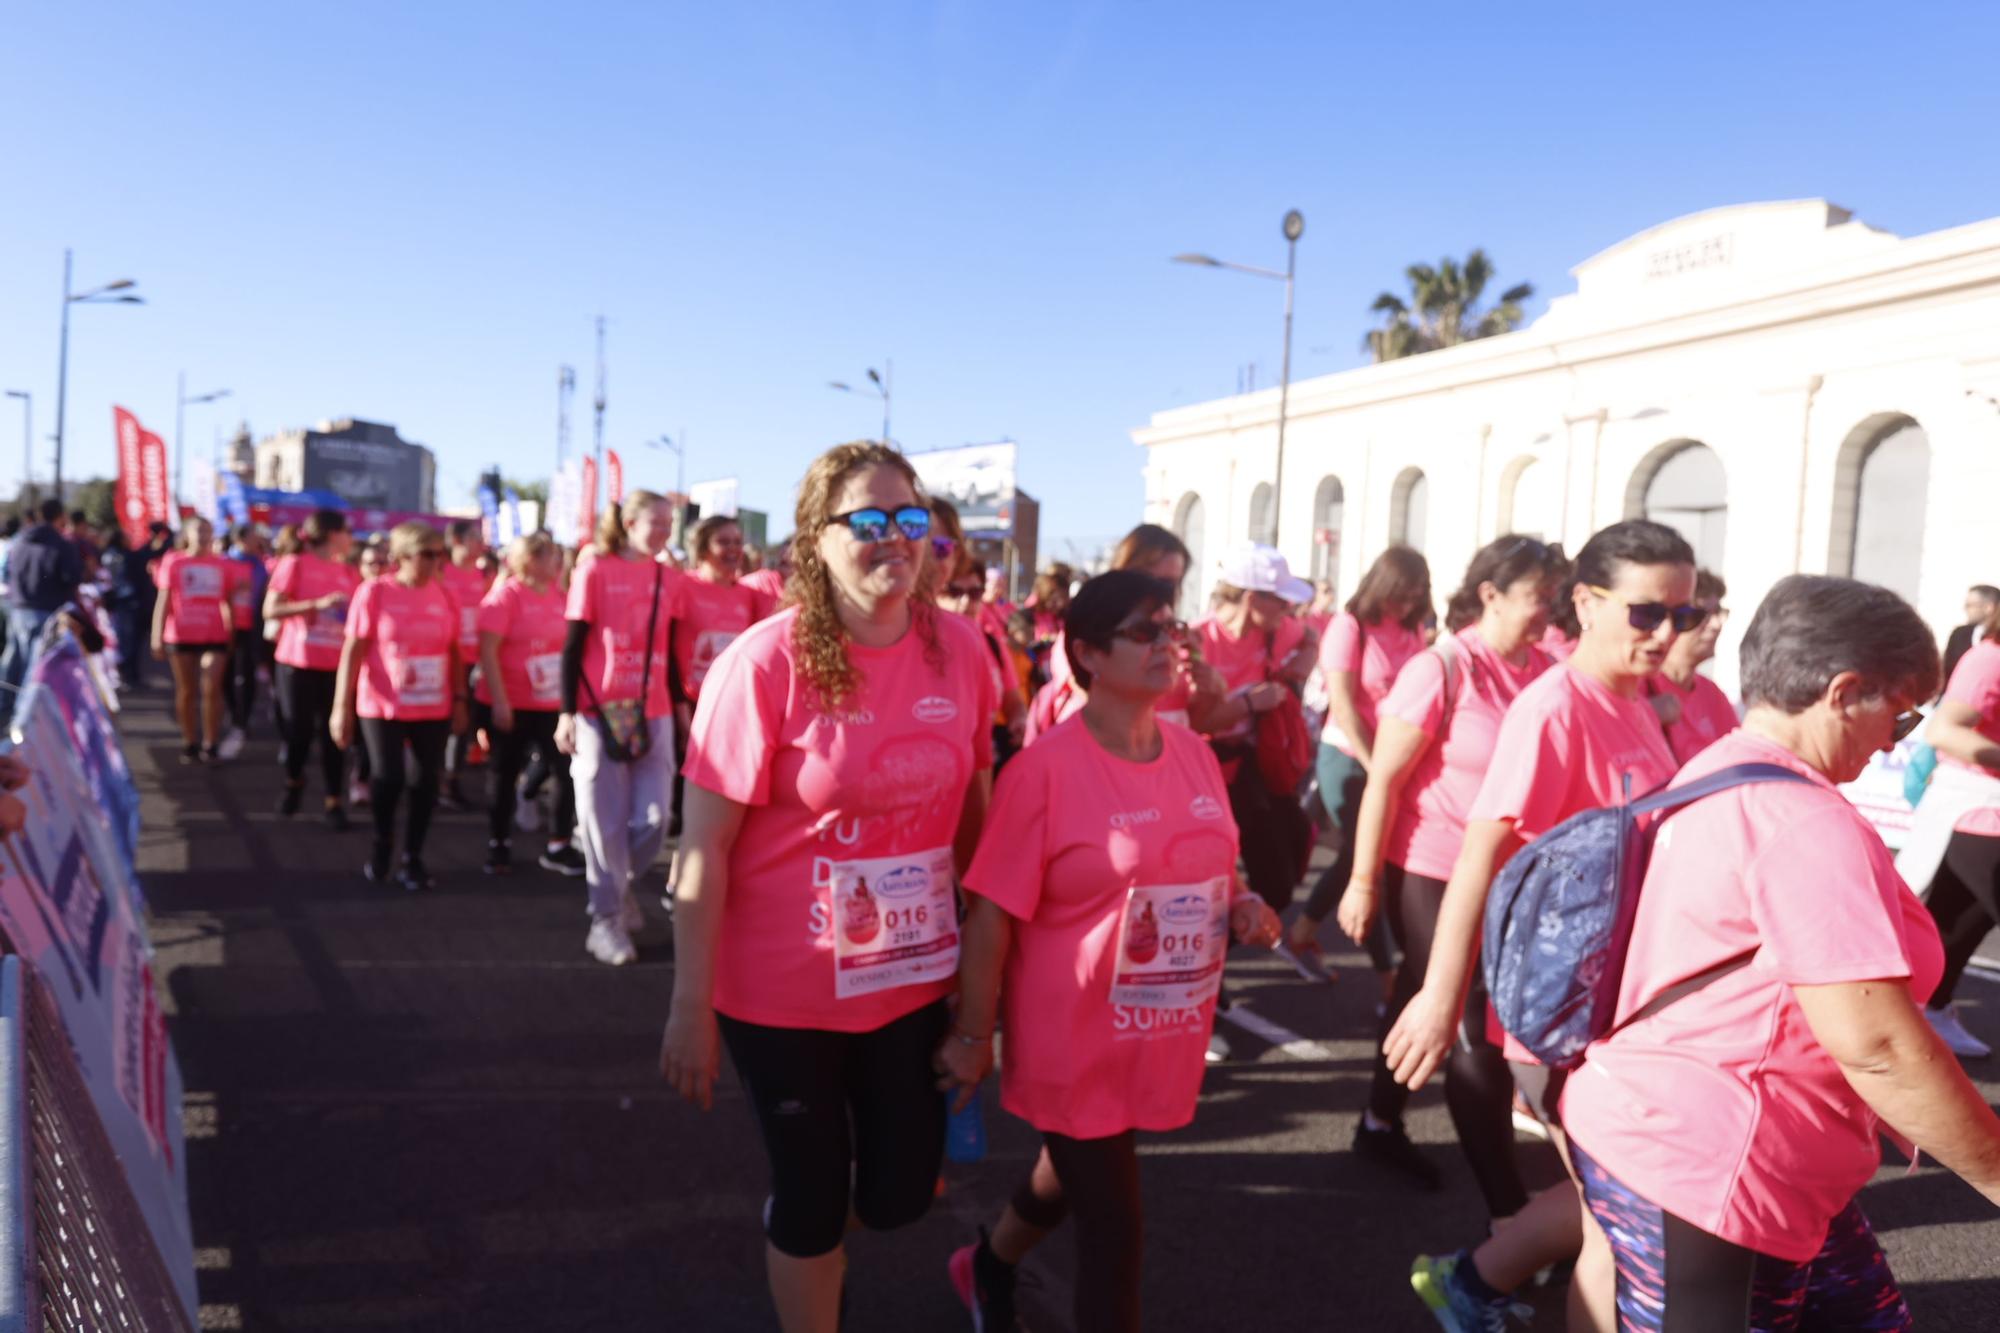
{"x": 968, "y": 1040}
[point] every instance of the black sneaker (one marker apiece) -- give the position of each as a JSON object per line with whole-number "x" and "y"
{"x": 288, "y": 800}
{"x": 564, "y": 860}
{"x": 191, "y": 754}
{"x": 1391, "y": 1147}
{"x": 336, "y": 818}
{"x": 210, "y": 755}
{"x": 413, "y": 877}
{"x": 376, "y": 869}
{"x": 986, "y": 1286}
{"x": 499, "y": 858}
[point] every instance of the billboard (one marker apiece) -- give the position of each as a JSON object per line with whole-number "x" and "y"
{"x": 978, "y": 479}
{"x": 369, "y": 474}
{"x": 714, "y": 497}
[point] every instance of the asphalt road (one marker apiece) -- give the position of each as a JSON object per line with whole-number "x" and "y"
{"x": 438, "y": 1113}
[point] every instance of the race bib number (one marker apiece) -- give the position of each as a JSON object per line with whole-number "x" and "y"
{"x": 201, "y": 581}
{"x": 895, "y": 921}
{"x": 420, "y": 681}
{"x": 327, "y": 627}
{"x": 545, "y": 677}
{"x": 1171, "y": 942}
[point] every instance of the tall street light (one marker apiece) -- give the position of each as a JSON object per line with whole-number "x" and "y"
{"x": 181, "y": 401}
{"x": 95, "y": 296}
{"x": 27, "y": 438}
{"x": 679, "y": 450}
{"x": 1294, "y": 227}
{"x": 882, "y": 382}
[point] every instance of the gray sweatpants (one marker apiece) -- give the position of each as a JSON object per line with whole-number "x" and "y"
{"x": 621, "y": 810}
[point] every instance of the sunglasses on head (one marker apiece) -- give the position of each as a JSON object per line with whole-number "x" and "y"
{"x": 875, "y": 524}
{"x": 1649, "y": 616}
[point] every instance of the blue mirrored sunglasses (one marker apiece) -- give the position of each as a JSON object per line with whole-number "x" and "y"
{"x": 873, "y": 524}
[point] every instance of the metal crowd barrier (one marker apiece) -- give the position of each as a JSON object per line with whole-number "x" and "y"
{"x": 77, "y": 1256}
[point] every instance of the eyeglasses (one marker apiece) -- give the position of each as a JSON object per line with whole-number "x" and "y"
{"x": 965, "y": 590}
{"x": 942, "y": 547}
{"x": 430, "y": 553}
{"x": 1649, "y": 616}
{"x": 1148, "y": 632}
{"x": 1905, "y": 724}
{"x": 875, "y": 524}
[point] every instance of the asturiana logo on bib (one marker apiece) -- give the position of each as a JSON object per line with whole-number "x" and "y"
{"x": 934, "y": 708}
{"x": 1190, "y": 909}
{"x": 904, "y": 882}
{"x": 1127, "y": 818}
{"x": 1205, "y": 807}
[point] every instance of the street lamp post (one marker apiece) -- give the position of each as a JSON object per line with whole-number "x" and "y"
{"x": 27, "y": 439}
{"x": 181, "y": 401}
{"x": 1294, "y": 227}
{"x": 678, "y": 446}
{"x": 95, "y": 296}
{"x": 883, "y": 382}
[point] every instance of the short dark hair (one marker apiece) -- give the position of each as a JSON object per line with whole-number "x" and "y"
{"x": 459, "y": 529}
{"x": 1102, "y": 604}
{"x": 1812, "y": 627}
{"x": 1985, "y": 590}
{"x": 50, "y": 510}
{"x": 1708, "y": 586}
{"x": 78, "y": 516}
{"x": 1502, "y": 562}
{"x": 1636, "y": 541}
{"x": 1146, "y": 544}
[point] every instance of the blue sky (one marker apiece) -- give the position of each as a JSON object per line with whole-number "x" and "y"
{"x": 413, "y": 212}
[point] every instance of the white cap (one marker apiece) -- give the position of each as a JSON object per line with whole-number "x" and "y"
{"x": 1260, "y": 568}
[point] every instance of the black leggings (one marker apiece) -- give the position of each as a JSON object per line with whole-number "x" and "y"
{"x": 533, "y": 730}
{"x": 305, "y": 702}
{"x": 1478, "y": 1088}
{"x": 385, "y": 740}
{"x": 1098, "y": 1181}
{"x": 1965, "y": 903}
{"x": 848, "y": 1119}
{"x": 1273, "y": 831}
{"x": 240, "y": 685}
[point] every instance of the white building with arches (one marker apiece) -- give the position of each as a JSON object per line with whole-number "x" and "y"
{"x": 1791, "y": 388}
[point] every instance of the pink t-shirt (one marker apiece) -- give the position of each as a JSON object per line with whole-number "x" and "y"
{"x": 879, "y": 784}
{"x": 1724, "y": 1109}
{"x": 1557, "y": 644}
{"x": 1245, "y": 660}
{"x": 411, "y": 634}
{"x": 1430, "y": 817}
{"x": 1072, "y": 830}
{"x": 531, "y": 628}
{"x": 708, "y": 619}
{"x": 1375, "y": 657}
{"x": 1706, "y": 714}
{"x": 312, "y": 639}
{"x": 467, "y": 587}
{"x": 1975, "y": 682}
{"x": 769, "y": 585}
{"x": 197, "y": 588}
{"x": 614, "y": 596}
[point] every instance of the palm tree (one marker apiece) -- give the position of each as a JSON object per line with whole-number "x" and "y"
{"x": 1441, "y": 311}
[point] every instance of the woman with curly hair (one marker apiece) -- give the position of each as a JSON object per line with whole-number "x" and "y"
{"x": 837, "y": 781}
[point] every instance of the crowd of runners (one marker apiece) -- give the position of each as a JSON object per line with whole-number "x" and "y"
{"x": 922, "y": 836}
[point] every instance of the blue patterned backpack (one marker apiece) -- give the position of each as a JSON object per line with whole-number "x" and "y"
{"x": 1560, "y": 915}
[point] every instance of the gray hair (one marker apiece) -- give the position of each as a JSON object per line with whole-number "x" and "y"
{"x": 1811, "y": 628}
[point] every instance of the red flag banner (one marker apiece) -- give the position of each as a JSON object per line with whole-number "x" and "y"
{"x": 587, "y": 511}
{"x": 153, "y": 479}
{"x": 614, "y": 477}
{"x": 140, "y": 495}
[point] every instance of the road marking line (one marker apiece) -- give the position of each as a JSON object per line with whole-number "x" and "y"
{"x": 1986, "y": 969}
{"x": 1289, "y": 1043}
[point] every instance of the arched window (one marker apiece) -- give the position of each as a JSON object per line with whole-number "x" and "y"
{"x": 1880, "y": 488}
{"x": 1530, "y": 502}
{"x": 1683, "y": 485}
{"x": 1189, "y": 525}
{"x": 1409, "y": 508}
{"x": 1329, "y": 502}
{"x": 1263, "y": 525}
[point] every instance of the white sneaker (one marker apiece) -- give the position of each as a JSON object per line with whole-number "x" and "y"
{"x": 527, "y": 812}
{"x": 1945, "y": 1023}
{"x": 231, "y": 744}
{"x": 630, "y": 914}
{"x": 608, "y": 943}
{"x": 1218, "y": 1048}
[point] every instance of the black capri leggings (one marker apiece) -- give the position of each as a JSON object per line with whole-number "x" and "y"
{"x": 533, "y": 730}
{"x": 1097, "y": 1180}
{"x": 305, "y": 703}
{"x": 385, "y": 739}
{"x": 848, "y": 1118}
{"x": 1965, "y": 903}
{"x": 1478, "y": 1087}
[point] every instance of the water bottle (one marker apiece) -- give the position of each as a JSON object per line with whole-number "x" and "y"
{"x": 965, "y": 1131}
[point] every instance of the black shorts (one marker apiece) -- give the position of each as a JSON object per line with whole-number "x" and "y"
{"x": 197, "y": 649}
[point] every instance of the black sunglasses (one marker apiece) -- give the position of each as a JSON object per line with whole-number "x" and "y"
{"x": 1649, "y": 616}
{"x": 1905, "y": 724}
{"x": 873, "y": 524}
{"x": 966, "y": 589}
{"x": 1148, "y": 632}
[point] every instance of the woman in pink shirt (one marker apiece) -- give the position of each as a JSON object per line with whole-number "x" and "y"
{"x": 1432, "y": 743}
{"x": 521, "y": 633}
{"x": 1722, "y": 1137}
{"x": 307, "y": 600}
{"x": 192, "y": 616}
{"x": 1105, "y": 892}
{"x": 1693, "y": 708}
{"x": 1365, "y": 646}
{"x": 465, "y": 577}
{"x": 837, "y": 780}
{"x": 962, "y": 591}
{"x": 399, "y": 672}
{"x": 1581, "y": 736}
{"x": 617, "y": 720}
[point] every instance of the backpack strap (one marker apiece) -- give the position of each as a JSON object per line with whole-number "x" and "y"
{"x": 1446, "y": 649}
{"x": 1680, "y": 990}
{"x": 1736, "y": 775}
